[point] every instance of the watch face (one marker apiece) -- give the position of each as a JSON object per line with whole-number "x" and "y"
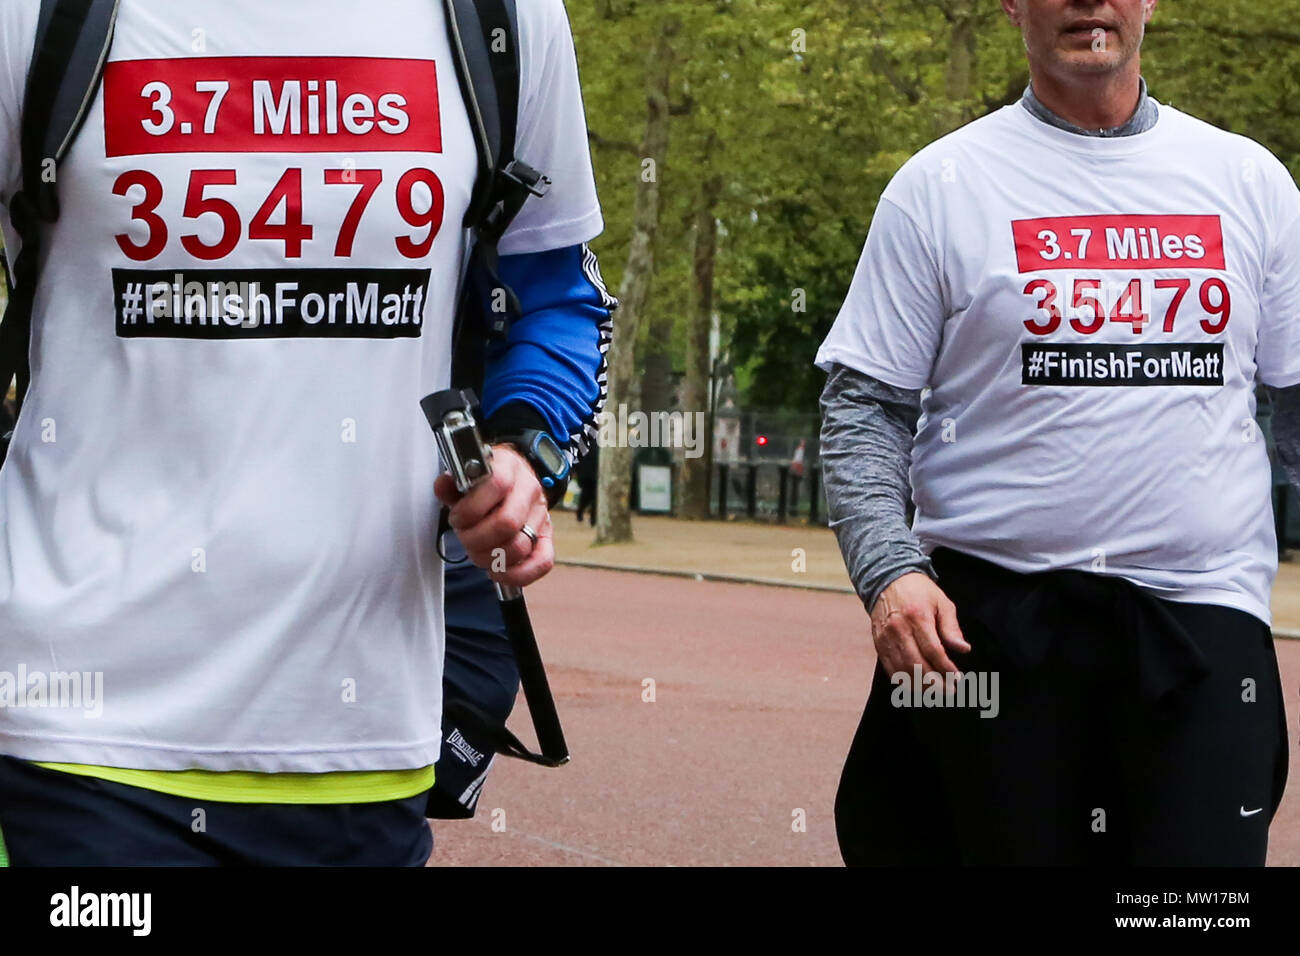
{"x": 550, "y": 455}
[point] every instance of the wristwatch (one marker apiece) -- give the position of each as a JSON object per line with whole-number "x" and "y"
{"x": 547, "y": 458}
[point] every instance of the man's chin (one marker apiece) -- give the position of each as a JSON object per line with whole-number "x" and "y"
{"x": 1089, "y": 62}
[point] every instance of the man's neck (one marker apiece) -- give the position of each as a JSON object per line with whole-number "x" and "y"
{"x": 1139, "y": 120}
{"x": 1092, "y": 103}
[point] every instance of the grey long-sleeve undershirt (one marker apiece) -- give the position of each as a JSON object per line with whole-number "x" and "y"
{"x": 868, "y": 427}
{"x": 866, "y": 451}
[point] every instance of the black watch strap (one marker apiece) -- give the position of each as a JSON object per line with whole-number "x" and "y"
{"x": 518, "y": 423}
{"x": 547, "y": 458}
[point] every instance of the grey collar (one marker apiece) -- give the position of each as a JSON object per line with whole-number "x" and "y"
{"x": 1143, "y": 118}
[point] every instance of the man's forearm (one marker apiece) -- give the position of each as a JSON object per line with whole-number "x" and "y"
{"x": 866, "y": 451}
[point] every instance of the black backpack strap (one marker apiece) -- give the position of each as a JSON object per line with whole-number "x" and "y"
{"x": 72, "y": 41}
{"x": 484, "y": 37}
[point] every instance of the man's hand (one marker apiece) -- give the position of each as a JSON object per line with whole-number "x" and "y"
{"x": 489, "y": 520}
{"x": 913, "y": 622}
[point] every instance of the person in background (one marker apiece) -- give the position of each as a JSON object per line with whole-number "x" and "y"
{"x": 587, "y": 474}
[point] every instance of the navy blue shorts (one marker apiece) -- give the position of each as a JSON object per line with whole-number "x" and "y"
{"x": 52, "y": 818}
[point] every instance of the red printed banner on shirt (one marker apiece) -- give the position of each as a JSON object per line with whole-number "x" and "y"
{"x": 247, "y": 104}
{"x": 1119, "y": 242}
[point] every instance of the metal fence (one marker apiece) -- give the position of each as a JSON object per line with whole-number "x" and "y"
{"x": 768, "y": 491}
{"x": 758, "y": 490}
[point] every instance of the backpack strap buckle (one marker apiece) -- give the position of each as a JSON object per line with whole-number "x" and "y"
{"x": 537, "y": 183}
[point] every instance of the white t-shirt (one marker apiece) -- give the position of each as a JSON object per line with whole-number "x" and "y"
{"x": 229, "y": 520}
{"x": 1007, "y": 270}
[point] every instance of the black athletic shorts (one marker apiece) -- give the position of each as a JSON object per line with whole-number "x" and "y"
{"x": 1129, "y": 731}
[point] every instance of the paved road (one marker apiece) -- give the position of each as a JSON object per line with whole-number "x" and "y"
{"x": 757, "y": 693}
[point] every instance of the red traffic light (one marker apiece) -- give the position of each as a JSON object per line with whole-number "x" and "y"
{"x": 760, "y": 441}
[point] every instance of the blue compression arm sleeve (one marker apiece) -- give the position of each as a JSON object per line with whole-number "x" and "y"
{"x": 549, "y": 373}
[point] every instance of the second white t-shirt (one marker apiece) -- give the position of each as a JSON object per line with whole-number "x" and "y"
{"x": 1090, "y": 316}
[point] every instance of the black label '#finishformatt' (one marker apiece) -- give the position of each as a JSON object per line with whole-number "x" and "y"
{"x": 1199, "y": 363}
{"x": 270, "y": 303}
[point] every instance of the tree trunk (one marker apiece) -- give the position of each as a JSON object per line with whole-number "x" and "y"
{"x": 963, "y": 48}
{"x": 695, "y": 388}
{"x": 613, "y": 505}
{"x": 959, "y": 79}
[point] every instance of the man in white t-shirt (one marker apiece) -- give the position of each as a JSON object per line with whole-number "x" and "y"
{"x": 223, "y": 526}
{"x": 1076, "y": 295}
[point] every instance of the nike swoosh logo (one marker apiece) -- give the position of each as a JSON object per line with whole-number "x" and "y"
{"x": 1250, "y": 813}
